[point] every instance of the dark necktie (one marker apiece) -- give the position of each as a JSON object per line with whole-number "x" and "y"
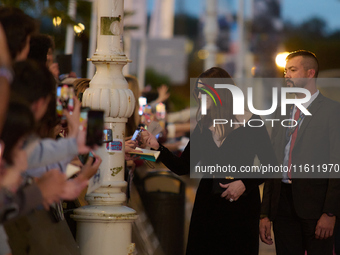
{"x": 294, "y": 135}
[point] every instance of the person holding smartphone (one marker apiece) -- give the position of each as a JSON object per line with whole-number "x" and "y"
{"x": 226, "y": 211}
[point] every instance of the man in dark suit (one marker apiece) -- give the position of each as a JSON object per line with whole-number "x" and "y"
{"x": 304, "y": 209}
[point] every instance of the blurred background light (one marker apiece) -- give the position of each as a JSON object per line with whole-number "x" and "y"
{"x": 79, "y": 28}
{"x": 203, "y": 54}
{"x": 280, "y": 59}
{"x": 56, "y": 21}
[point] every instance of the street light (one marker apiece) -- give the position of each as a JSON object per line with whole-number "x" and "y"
{"x": 79, "y": 28}
{"x": 280, "y": 59}
{"x": 203, "y": 54}
{"x": 56, "y": 21}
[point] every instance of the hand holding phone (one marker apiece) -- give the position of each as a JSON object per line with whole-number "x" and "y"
{"x": 148, "y": 140}
{"x": 91, "y": 166}
{"x": 136, "y": 134}
{"x": 73, "y": 120}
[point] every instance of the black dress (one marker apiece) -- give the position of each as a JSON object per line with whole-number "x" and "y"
{"x": 218, "y": 226}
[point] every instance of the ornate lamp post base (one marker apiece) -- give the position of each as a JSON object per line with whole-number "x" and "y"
{"x": 105, "y": 229}
{"x": 104, "y": 226}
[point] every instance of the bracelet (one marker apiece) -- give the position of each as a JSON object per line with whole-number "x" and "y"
{"x": 330, "y": 214}
{"x": 7, "y": 73}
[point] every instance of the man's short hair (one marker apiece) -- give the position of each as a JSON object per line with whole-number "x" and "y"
{"x": 309, "y": 60}
{"x": 18, "y": 26}
{"x": 32, "y": 81}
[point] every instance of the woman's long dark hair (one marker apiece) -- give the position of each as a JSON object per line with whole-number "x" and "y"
{"x": 19, "y": 123}
{"x": 134, "y": 120}
{"x": 212, "y": 76}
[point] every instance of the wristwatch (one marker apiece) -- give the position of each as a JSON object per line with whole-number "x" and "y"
{"x": 330, "y": 214}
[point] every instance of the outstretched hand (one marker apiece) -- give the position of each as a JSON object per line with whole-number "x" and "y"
{"x": 51, "y": 186}
{"x": 12, "y": 174}
{"x": 73, "y": 119}
{"x": 77, "y": 129}
{"x": 148, "y": 140}
{"x": 73, "y": 188}
{"x": 163, "y": 93}
{"x": 91, "y": 166}
{"x": 130, "y": 147}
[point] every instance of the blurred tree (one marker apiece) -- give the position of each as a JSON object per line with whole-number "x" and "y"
{"x": 155, "y": 79}
{"x": 45, "y": 10}
{"x": 313, "y": 35}
{"x": 186, "y": 25}
{"x": 189, "y": 26}
{"x": 177, "y": 100}
{"x": 40, "y": 8}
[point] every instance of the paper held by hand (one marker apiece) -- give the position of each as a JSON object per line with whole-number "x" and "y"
{"x": 71, "y": 170}
{"x": 147, "y": 154}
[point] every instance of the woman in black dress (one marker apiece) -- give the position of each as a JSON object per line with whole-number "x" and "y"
{"x": 225, "y": 217}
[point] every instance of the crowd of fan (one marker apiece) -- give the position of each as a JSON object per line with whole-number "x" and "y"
{"x": 33, "y": 161}
{"x": 34, "y": 157}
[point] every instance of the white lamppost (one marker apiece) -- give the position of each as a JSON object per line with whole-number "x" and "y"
{"x": 93, "y": 37}
{"x": 72, "y": 11}
{"x": 241, "y": 51}
{"x": 104, "y": 226}
{"x": 211, "y": 33}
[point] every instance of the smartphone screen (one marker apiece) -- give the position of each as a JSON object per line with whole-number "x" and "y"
{"x": 95, "y": 127}
{"x": 135, "y": 134}
{"x": 107, "y": 135}
{"x": 83, "y": 115}
{"x": 142, "y": 102}
{"x": 65, "y": 99}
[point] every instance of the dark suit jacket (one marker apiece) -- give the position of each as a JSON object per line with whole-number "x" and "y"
{"x": 317, "y": 143}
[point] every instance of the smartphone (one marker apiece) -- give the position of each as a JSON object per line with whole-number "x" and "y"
{"x": 65, "y": 99}
{"x": 83, "y": 116}
{"x": 95, "y": 127}
{"x": 65, "y": 63}
{"x": 135, "y": 134}
{"x": 142, "y": 102}
{"x": 107, "y": 135}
